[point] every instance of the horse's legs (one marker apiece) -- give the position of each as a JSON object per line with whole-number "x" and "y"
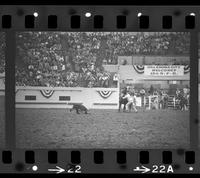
{"x": 120, "y": 104}
{"x": 130, "y": 107}
{"x": 124, "y": 108}
{"x": 77, "y": 111}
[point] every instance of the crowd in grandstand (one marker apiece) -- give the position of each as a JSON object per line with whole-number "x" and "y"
{"x": 52, "y": 77}
{"x": 75, "y": 58}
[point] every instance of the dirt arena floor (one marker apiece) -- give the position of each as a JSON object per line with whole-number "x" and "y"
{"x": 58, "y": 128}
{"x": 2, "y": 121}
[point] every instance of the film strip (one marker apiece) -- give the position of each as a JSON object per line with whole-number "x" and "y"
{"x": 99, "y": 89}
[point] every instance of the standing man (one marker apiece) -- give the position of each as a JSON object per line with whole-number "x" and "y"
{"x": 160, "y": 100}
{"x": 142, "y": 94}
{"x": 131, "y": 101}
{"x": 134, "y": 102}
{"x": 186, "y": 98}
{"x": 115, "y": 79}
{"x": 177, "y": 92}
{"x": 165, "y": 98}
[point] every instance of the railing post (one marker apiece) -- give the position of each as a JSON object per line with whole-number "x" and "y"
{"x": 174, "y": 99}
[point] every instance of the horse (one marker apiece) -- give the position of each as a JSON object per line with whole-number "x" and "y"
{"x": 122, "y": 101}
{"x": 183, "y": 101}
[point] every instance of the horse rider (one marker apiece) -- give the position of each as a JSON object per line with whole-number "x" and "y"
{"x": 121, "y": 100}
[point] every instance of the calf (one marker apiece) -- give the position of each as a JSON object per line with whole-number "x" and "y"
{"x": 79, "y": 107}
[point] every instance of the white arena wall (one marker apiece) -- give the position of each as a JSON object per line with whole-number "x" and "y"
{"x": 92, "y": 98}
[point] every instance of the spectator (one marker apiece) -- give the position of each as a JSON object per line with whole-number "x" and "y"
{"x": 151, "y": 90}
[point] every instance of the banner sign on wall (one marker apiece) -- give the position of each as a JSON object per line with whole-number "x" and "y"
{"x": 164, "y": 70}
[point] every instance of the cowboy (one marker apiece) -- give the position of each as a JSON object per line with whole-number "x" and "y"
{"x": 177, "y": 92}
{"x": 142, "y": 94}
{"x": 131, "y": 101}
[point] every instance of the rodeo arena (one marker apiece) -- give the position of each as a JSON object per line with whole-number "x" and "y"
{"x": 102, "y": 89}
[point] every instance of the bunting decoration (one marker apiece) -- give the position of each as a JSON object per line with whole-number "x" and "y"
{"x": 186, "y": 69}
{"x": 47, "y": 93}
{"x": 139, "y": 68}
{"x": 105, "y": 94}
{"x": 16, "y": 90}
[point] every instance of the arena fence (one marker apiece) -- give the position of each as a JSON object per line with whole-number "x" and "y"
{"x": 149, "y": 101}
{"x": 92, "y": 98}
{"x": 65, "y": 97}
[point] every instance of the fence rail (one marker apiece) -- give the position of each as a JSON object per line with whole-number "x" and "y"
{"x": 171, "y": 103}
